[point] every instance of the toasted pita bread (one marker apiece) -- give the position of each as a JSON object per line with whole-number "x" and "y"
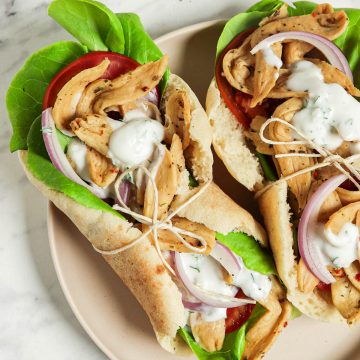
{"x": 274, "y": 201}
{"x": 214, "y": 203}
{"x": 263, "y": 334}
{"x": 198, "y": 154}
{"x": 140, "y": 267}
{"x": 230, "y": 143}
{"x": 346, "y": 297}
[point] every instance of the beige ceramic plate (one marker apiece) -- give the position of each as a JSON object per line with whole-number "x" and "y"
{"x": 105, "y": 307}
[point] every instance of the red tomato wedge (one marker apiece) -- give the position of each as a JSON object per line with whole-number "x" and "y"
{"x": 237, "y": 316}
{"x": 243, "y": 101}
{"x": 237, "y": 101}
{"x": 119, "y": 64}
{"x": 323, "y": 287}
{"x": 348, "y": 185}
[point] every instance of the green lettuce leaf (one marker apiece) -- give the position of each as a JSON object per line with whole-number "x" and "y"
{"x": 200, "y": 352}
{"x": 234, "y": 343}
{"x": 254, "y": 256}
{"x": 91, "y": 22}
{"x": 64, "y": 140}
{"x": 349, "y": 41}
{"x": 41, "y": 167}
{"x": 138, "y": 43}
{"x": 25, "y": 94}
{"x": 256, "y": 314}
{"x": 295, "y": 312}
{"x": 233, "y": 348}
{"x": 269, "y": 171}
{"x": 302, "y": 8}
{"x": 238, "y": 24}
{"x": 98, "y": 28}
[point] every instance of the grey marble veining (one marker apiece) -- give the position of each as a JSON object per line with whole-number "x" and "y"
{"x": 35, "y": 320}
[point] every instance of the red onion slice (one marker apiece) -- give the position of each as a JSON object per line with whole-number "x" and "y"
{"x": 329, "y": 49}
{"x": 153, "y": 96}
{"x": 125, "y": 191}
{"x": 57, "y": 155}
{"x": 308, "y": 220}
{"x": 226, "y": 258}
{"x": 207, "y": 297}
{"x": 195, "y": 306}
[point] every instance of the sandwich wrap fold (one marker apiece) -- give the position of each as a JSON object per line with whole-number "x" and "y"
{"x": 140, "y": 267}
{"x": 240, "y": 151}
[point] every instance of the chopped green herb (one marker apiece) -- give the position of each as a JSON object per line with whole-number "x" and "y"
{"x": 195, "y": 268}
{"x": 316, "y": 98}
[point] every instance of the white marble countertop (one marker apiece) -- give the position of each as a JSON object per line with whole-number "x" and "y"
{"x": 35, "y": 319}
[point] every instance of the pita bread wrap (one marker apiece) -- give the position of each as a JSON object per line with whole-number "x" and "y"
{"x": 123, "y": 149}
{"x": 141, "y": 269}
{"x": 186, "y": 150}
{"x": 274, "y": 201}
{"x": 278, "y": 311}
{"x": 253, "y": 108}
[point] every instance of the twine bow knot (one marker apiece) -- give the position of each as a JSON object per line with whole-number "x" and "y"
{"x": 153, "y": 223}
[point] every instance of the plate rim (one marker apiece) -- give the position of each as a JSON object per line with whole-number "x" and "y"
{"x": 51, "y": 208}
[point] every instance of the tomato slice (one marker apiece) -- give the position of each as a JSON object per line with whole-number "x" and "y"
{"x": 237, "y": 101}
{"x": 236, "y": 317}
{"x": 323, "y": 287}
{"x": 119, "y": 64}
{"x": 348, "y": 185}
{"x": 243, "y": 101}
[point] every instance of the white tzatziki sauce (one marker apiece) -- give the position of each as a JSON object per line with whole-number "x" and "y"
{"x": 337, "y": 250}
{"x": 115, "y": 124}
{"x": 134, "y": 142}
{"x": 207, "y": 273}
{"x": 330, "y": 115}
{"x": 76, "y": 152}
{"x": 253, "y": 284}
{"x": 271, "y": 58}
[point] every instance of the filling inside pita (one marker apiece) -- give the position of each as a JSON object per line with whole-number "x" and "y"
{"x": 314, "y": 116}
{"x": 116, "y": 127}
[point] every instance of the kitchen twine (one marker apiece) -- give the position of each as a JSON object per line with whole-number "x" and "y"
{"x": 155, "y": 224}
{"x": 329, "y": 158}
